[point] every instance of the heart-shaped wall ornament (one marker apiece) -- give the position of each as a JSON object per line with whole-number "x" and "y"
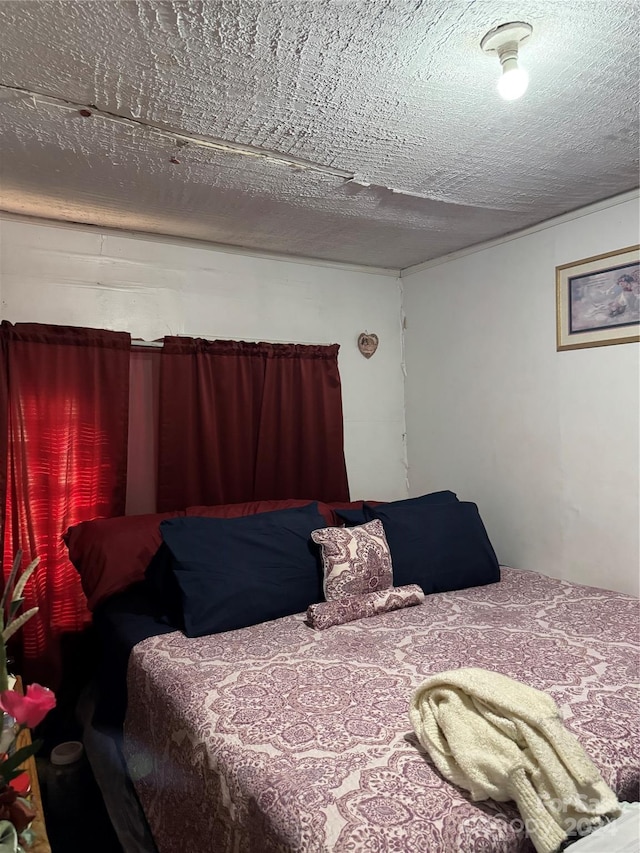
{"x": 367, "y": 343}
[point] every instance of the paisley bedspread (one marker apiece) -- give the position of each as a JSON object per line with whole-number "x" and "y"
{"x": 282, "y": 738}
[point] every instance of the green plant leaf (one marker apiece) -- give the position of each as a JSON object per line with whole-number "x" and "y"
{"x": 14, "y": 761}
{"x": 11, "y": 629}
{"x": 12, "y": 576}
{"x": 14, "y": 607}
{"x": 7, "y": 776}
{"x": 24, "y": 577}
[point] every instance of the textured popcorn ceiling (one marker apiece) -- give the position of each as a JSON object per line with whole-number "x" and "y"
{"x": 388, "y": 143}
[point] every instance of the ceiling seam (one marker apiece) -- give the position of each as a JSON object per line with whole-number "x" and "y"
{"x": 158, "y": 237}
{"x": 180, "y": 137}
{"x": 183, "y": 138}
{"x": 594, "y": 207}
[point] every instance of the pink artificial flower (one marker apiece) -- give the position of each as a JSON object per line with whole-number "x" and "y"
{"x": 30, "y": 709}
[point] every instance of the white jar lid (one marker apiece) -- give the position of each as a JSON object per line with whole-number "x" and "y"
{"x": 67, "y": 753}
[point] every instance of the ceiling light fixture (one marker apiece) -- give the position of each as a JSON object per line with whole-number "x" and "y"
{"x": 504, "y": 42}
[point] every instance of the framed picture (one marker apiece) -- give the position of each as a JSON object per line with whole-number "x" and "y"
{"x": 598, "y": 299}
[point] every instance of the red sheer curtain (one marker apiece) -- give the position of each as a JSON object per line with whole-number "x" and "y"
{"x": 65, "y": 396}
{"x": 249, "y": 421}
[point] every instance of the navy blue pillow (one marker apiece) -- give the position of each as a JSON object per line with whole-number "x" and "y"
{"x": 444, "y": 497}
{"x": 354, "y": 517}
{"x": 438, "y": 546}
{"x": 351, "y": 517}
{"x": 235, "y": 572}
{"x": 163, "y": 589}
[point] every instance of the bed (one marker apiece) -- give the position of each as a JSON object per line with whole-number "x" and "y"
{"x": 250, "y": 731}
{"x": 280, "y": 738}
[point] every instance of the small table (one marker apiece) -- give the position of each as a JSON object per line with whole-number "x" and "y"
{"x": 41, "y": 841}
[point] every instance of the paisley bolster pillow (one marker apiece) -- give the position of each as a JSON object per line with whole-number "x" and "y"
{"x": 328, "y": 613}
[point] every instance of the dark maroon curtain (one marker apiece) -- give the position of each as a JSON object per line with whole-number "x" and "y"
{"x": 210, "y": 402}
{"x": 4, "y": 437}
{"x": 64, "y": 445}
{"x": 144, "y": 413}
{"x": 300, "y": 450}
{"x": 249, "y": 421}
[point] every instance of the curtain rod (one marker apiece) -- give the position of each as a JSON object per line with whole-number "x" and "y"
{"x": 159, "y": 344}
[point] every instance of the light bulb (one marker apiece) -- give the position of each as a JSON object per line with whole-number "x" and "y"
{"x": 513, "y": 83}
{"x": 504, "y": 41}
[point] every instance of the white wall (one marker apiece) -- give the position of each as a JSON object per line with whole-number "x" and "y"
{"x": 150, "y": 287}
{"x": 545, "y": 442}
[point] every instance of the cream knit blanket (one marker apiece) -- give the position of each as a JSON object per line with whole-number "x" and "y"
{"x": 501, "y": 739}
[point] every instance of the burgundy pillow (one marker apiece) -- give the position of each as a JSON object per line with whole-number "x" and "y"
{"x": 111, "y": 554}
{"x": 255, "y": 507}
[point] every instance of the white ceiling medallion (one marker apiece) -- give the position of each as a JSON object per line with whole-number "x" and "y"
{"x": 503, "y": 42}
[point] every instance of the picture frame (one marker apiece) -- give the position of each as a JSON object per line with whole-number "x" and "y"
{"x": 598, "y": 300}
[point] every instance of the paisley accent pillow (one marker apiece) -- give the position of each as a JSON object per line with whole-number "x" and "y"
{"x": 356, "y": 560}
{"x": 326, "y": 614}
